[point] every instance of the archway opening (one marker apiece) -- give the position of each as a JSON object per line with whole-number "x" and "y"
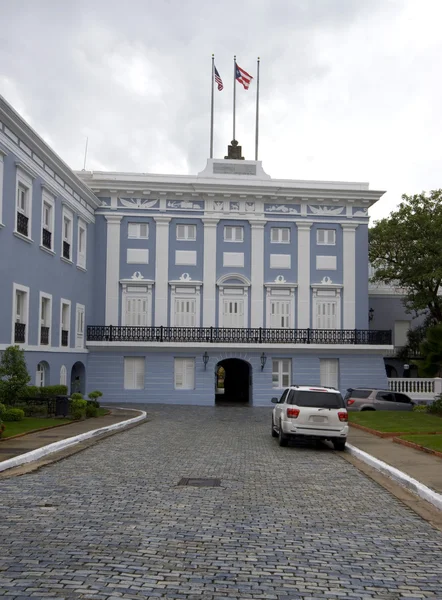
{"x": 42, "y": 374}
{"x": 78, "y": 378}
{"x": 233, "y": 382}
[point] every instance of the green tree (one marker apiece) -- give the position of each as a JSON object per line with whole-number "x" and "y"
{"x": 431, "y": 352}
{"x": 406, "y": 251}
{"x": 14, "y": 376}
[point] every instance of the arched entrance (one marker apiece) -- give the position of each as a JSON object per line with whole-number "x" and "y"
{"x": 233, "y": 382}
{"x": 42, "y": 375}
{"x": 78, "y": 378}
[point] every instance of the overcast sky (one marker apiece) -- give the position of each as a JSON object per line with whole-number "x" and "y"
{"x": 349, "y": 89}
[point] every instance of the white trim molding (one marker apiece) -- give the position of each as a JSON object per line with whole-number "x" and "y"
{"x": 209, "y": 272}
{"x": 80, "y": 320}
{"x": 185, "y": 289}
{"x": 327, "y": 293}
{"x": 233, "y": 291}
{"x": 257, "y": 273}
{"x": 136, "y": 288}
{"x": 161, "y": 270}
{"x": 16, "y": 287}
{"x": 303, "y": 316}
{"x": 47, "y": 199}
{"x": 23, "y": 179}
{"x": 349, "y": 276}
{"x": 112, "y": 269}
{"x": 3, "y": 153}
{"x": 280, "y": 290}
{"x": 47, "y": 319}
{"x": 64, "y": 302}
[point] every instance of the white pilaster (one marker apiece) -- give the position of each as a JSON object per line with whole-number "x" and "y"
{"x": 303, "y": 316}
{"x": 349, "y": 278}
{"x": 209, "y": 272}
{"x": 2, "y": 154}
{"x": 161, "y": 270}
{"x": 112, "y": 269}
{"x": 257, "y": 274}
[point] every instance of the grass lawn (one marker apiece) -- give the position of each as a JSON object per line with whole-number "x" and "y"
{"x": 434, "y": 442}
{"x": 103, "y": 411}
{"x": 392, "y": 421}
{"x": 30, "y": 423}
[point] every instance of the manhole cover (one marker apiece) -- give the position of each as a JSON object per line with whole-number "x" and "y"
{"x": 200, "y": 482}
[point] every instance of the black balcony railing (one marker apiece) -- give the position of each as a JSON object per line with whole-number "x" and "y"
{"x": 47, "y": 239}
{"x": 64, "y": 337}
{"x": 258, "y": 335}
{"x": 22, "y": 224}
{"x": 44, "y": 335}
{"x": 66, "y": 250}
{"x": 20, "y": 333}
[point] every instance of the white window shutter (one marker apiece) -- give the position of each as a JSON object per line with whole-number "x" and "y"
{"x": 179, "y": 373}
{"x": 63, "y": 375}
{"x": 190, "y": 373}
{"x": 329, "y": 368}
{"x": 139, "y": 373}
{"x": 128, "y": 373}
{"x": 286, "y": 235}
{"x": 144, "y": 230}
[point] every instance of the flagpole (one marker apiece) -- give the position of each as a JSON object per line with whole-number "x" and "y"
{"x": 234, "y": 95}
{"x": 211, "y": 107}
{"x": 257, "y": 111}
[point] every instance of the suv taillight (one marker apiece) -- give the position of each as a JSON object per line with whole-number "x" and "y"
{"x": 343, "y": 416}
{"x": 350, "y": 401}
{"x": 292, "y": 413}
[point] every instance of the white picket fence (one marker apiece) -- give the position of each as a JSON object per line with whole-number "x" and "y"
{"x": 418, "y": 389}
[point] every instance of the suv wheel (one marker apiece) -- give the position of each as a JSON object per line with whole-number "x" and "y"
{"x": 274, "y": 433}
{"x": 339, "y": 444}
{"x": 283, "y": 439}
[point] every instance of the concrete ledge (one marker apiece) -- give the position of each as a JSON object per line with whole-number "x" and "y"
{"x": 415, "y": 446}
{"x": 391, "y": 434}
{"x": 403, "y": 479}
{"x": 39, "y": 453}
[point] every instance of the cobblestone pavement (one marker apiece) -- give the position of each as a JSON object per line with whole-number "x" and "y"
{"x": 297, "y": 522}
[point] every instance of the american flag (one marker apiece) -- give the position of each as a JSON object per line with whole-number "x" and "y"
{"x": 218, "y": 79}
{"x": 242, "y": 77}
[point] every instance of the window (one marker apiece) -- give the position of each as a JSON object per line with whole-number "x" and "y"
{"x": 23, "y": 218}
{"x": 81, "y": 245}
{"x": 233, "y": 234}
{"x": 45, "y": 319}
{"x": 280, "y": 314}
{"x": 326, "y": 314}
{"x": 401, "y": 329}
{"x": 40, "y": 377}
{"x": 186, "y": 232}
{"x": 79, "y": 338}
{"x": 329, "y": 372}
{"x": 137, "y": 310}
{"x": 20, "y": 314}
{"x": 281, "y": 373}
{"x": 47, "y": 223}
{"x": 134, "y": 373}
{"x": 66, "y": 250}
{"x": 138, "y": 230}
{"x": 185, "y": 312}
{"x": 184, "y": 373}
{"x": 280, "y": 235}
{"x": 326, "y": 237}
{"x": 65, "y": 320}
{"x": 316, "y": 399}
{"x": 63, "y": 375}
{"x": 233, "y": 313}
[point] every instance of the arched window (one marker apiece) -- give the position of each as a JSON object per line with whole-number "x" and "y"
{"x": 41, "y": 375}
{"x": 63, "y": 375}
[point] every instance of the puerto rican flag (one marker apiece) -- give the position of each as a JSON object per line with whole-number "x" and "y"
{"x": 242, "y": 77}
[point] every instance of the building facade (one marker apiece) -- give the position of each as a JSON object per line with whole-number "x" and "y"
{"x": 224, "y": 286}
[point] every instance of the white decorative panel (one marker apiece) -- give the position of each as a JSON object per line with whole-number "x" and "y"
{"x": 185, "y": 257}
{"x": 233, "y": 259}
{"x": 326, "y": 262}
{"x": 139, "y": 256}
{"x": 280, "y": 261}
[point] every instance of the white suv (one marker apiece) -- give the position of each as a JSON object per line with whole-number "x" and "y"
{"x": 310, "y": 412}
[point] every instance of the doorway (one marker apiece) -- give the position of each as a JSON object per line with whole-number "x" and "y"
{"x": 78, "y": 378}
{"x": 233, "y": 382}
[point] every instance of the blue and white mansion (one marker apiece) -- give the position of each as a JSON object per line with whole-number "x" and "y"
{"x": 143, "y": 286}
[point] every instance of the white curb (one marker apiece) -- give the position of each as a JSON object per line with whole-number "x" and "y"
{"x": 403, "y": 479}
{"x": 62, "y": 444}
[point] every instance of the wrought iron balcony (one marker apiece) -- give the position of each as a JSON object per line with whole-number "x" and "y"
{"x": 22, "y": 224}
{"x": 257, "y": 335}
{"x": 47, "y": 237}
{"x": 66, "y": 250}
{"x": 20, "y": 333}
{"x": 64, "y": 337}
{"x": 44, "y": 335}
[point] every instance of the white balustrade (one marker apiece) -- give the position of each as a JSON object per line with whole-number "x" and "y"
{"x": 416, "y": 387}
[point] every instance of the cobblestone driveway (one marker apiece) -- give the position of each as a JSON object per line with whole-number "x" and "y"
{"x": 111, "y": 522}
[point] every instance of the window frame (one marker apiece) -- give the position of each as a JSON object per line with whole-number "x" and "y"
{"x": 16, "y": 287}
{"x": 326, "y": 366}
{"x": 81, "y": 256}
{"x": 234, "y": 229}
{"x": 80, "y": 319}
{"x": 280, "y": 236}
{"x": 138, "y": 235}
{"x": 327, "y": 233}
{"x": 64, "y": 302}
{"x": 48, "y": 317}
{"x": 280, "y": 372}
{"x": 47, "y": 199}
{"x": 25, "y": 181}
{"x": 68, "y": 215}
{"x": 185, "y": 361}
{"x": 63, "y": 375}
{"x": 140, "y": 360}
{"x": 187, "y": 237}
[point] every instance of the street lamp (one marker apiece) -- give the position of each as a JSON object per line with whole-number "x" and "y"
{"x": 371, "y": 314}
{"x": 205, "y": 359}
{"x": 263, "y": 361}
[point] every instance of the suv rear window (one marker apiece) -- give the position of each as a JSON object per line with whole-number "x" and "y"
{"x": 317, "y": 399}
{"x": 358, "y": 394}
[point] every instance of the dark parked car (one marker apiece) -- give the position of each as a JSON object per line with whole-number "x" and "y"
{"x": 375, "y": 399}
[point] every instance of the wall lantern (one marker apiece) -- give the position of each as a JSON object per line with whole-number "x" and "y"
{"x": 371, "y": 314}
{"x": 263, "y": 361}
{"x": 205, "y": 359}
